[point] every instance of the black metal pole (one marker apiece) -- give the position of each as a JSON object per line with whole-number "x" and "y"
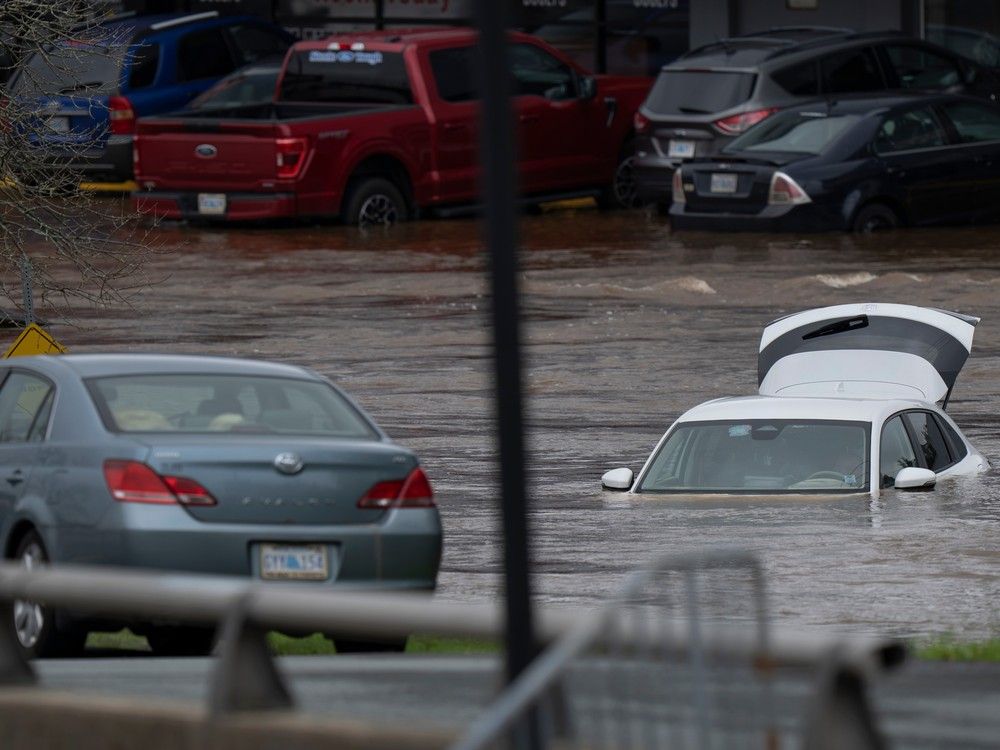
{"x": 379, "y": 15}
{"x": 498, "y": 191}
{"x": 601, "y": 42}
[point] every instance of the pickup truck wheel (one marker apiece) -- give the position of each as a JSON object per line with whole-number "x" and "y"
{"x": 621, "y": 193}
{"x": 374, "y": 202}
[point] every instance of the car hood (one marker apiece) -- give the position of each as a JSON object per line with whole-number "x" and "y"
{"x": 868, "y": 350}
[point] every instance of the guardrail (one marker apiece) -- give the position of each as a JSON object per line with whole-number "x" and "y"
{"x": 246, "y": 677}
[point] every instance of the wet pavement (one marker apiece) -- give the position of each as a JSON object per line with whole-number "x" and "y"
{"x": 627, "y": 325}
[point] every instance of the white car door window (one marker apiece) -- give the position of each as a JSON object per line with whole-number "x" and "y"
{"x": 896, "y": 452}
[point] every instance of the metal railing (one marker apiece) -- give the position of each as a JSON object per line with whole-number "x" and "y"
{"x": 657, "y": 663}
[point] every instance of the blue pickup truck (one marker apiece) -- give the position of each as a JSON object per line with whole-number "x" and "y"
{"x": 88, "y": 94}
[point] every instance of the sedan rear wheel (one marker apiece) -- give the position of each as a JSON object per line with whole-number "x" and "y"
{"x": 34, "y": 624}
{"x": 875, "y": 217}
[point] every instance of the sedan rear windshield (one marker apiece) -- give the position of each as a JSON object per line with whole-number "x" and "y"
{"x": 698, "y": 92}
{"x": 762, "y": 457}
{"x": 794, "y": 133}
{"x": 69, "y": 70}
{"x": 226, "y": 404}
{"x": 346, "y": 76}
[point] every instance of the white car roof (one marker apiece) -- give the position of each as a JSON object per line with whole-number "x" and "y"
{"x": 792, "y": 407}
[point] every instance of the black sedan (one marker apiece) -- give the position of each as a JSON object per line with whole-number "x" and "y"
{"x": 861, "y": 164}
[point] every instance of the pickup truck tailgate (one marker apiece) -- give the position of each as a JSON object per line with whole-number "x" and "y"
{"x": 227, "y": 157}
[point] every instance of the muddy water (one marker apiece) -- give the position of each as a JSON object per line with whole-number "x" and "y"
{"x": 627, "y": 326}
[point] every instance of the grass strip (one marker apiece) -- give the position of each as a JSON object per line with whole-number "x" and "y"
{"x": 951, "y": 649}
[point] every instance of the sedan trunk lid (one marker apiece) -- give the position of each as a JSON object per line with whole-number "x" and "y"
{"x": 295, "y": 480}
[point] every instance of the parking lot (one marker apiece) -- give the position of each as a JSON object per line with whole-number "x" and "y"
{"x": 627, "y": 326}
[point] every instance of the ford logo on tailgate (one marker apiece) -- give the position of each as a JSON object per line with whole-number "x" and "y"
{"x": 205, "y": 151}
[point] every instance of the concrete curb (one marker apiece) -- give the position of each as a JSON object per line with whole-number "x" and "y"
{"x": 31, "y": 718}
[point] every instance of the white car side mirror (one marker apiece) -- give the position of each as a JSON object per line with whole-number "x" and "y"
{"x": 617, "y": 479}
{"x": 912, "y": 478}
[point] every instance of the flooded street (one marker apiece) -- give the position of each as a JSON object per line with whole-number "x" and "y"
{"x": 626, "y": 327}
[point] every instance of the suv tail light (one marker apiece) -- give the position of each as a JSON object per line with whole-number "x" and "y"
{"x": 122, "y": 115}
{"x": 785, "y": 191}
{"x": 736, "y": 124}
{"x": 640, "y": 122}
{"x": 135, "y": 482}
{"x": 412, "y": 492}
{"x": 677, "y": 188}
{"x": 291, "y": 154}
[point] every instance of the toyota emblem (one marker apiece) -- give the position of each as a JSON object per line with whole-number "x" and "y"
{"x": 205, "y": 151}
{"x": 288, "y": 463}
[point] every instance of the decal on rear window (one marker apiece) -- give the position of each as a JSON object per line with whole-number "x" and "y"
{"x": 346, "y": 56}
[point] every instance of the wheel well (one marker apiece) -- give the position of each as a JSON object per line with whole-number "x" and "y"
{"x": 383, "y": 165}
{"x": 21, "y": 528}
{"x": 891, "y": 203}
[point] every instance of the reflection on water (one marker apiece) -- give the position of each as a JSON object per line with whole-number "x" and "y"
{"x": 627, "y": 326}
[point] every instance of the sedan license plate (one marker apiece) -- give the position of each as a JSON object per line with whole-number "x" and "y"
{"x": 297, "y": 562}
{"x": 212, "y": 203}
{"x": 723, "y": 182}
{"x": 58, "y": 124}
{"x": 681, "y": 149}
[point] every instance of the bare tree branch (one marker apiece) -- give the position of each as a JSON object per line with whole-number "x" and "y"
{"x": 82, "y": 248}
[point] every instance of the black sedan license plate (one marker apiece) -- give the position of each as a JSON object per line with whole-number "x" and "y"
{"x": 723, "y": 182}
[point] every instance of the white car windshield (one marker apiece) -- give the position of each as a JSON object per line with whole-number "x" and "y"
{"x": 762, "y": 457}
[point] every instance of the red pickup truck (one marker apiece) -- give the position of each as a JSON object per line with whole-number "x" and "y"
{"x": 374, "y": 127}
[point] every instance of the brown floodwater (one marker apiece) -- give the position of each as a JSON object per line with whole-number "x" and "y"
{"x": 627, "y": 325}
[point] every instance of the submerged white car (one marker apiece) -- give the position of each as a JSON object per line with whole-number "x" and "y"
{"x": 848, "y": 403}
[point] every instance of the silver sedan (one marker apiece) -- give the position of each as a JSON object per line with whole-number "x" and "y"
{"x": 201, "y": 464}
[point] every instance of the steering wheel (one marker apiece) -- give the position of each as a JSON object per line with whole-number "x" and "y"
{"x": 826, "y": 475}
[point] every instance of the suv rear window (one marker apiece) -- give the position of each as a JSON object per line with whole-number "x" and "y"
{"x": 696, "y": 92}
{"x": 68, "y": 70}
{"x": 346, "y": 76}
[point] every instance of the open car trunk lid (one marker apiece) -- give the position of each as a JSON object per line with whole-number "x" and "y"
{"x": 865, "y": 350}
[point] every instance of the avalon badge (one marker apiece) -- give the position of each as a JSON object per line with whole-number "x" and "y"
{"x": 288, "y": 463}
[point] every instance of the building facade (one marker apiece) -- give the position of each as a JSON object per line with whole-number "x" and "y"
{"x": 634, "y": 36}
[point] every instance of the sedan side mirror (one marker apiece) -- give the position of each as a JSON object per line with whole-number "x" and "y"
{"x": 587, "y": 87}
{"x": 912, "y": 478}
{"x": 617, "y": 479}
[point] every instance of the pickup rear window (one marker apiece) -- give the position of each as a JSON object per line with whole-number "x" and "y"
{"x": 346, "y": 76}
{"x": 699, "y": 92}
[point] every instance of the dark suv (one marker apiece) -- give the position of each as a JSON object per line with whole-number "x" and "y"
{"x": 714, "y": 93}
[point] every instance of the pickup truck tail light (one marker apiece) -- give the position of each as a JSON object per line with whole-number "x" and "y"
{"x": 122, "y": 116}
{"x": 413, "y": 492}
{"x": 785, "y": 191}
{"x": 135, "y": 482}
{"x": 736, "y": 124}
{"x": 640, "y": 122}
{"x": 291, "y": 154}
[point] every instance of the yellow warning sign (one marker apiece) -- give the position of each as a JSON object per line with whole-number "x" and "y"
{"x": 34, "y": 340}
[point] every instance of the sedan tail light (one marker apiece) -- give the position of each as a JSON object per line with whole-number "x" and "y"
{"x": 785, "y": 191}
{"x": 291, "y": 155}
{"x": 736, "y": 124}
{"x": 135, "y": 482}
{"x": 122, "y": 115}
{"x": 413, "y": 492}
{"x": 677, "y": 188}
